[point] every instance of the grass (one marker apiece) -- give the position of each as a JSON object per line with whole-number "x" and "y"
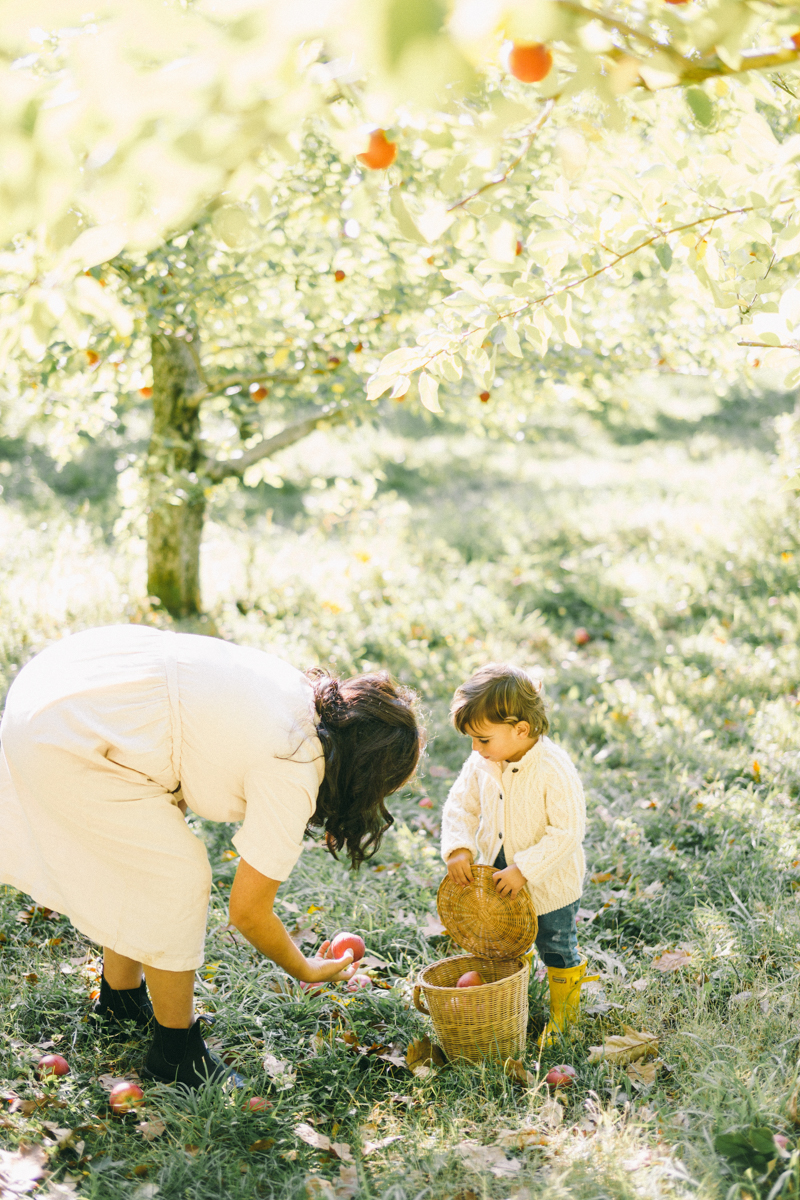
{"x": 432, "y": 554}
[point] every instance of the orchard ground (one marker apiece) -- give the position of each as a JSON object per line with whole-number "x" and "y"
{"x": 670, "y": 539}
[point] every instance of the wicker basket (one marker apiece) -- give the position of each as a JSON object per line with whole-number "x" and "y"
{"x": 491, "y": 1020}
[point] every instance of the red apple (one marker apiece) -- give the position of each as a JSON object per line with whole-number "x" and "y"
{"x": 381, "y": 153}
{"x": 348, "y": 941}
{"x": 780, "y": 1140}
{"x": 52, "y": 1064}
{"x": 484, "y": 397}
{"x": 313, "y": 989}
{"x": 581, "y": 636}
{"x": 125, "y": 1096}
{"x": 356, "y": 982}
{"x": 529, "y": 62}
{"x": 338, "y": 275}
{"x": 563, "y": 1076}
{"x": 257, "y": 1104}
{"x": 470, "y": 979}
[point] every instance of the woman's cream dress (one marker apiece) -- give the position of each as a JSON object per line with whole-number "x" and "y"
{"x": 103, "y": 734}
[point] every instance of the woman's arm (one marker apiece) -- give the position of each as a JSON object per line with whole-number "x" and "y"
{"x": 250, "y": 910}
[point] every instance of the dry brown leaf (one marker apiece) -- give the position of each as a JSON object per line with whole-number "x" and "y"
{"x": 551, "y": 1113}
{"x": 602, "y": 876}
{"x": 63, "y": 1190}
{"x": 262, "y": 1144}
{"x": 519, "y": 1139}
{"x": 432, "y": 926}
{"x": 639, "y": 985}
{"x": 396, "y": 1059}
{"x": 150, "y": 1130}
{"x": 486, "y": 1158}
{"x": 629, "y": 1046}
{"x": 515, "y": 1069}
{"x": 381, "y": 1143}
{"x": 642, "y": 1073}
{"x": 109, "y": 1082}
{"x": 342, "y": 1151}
{"x": 347, "y": 1183}
{"x": 421, "y": 1054}
{"x": 308, "y": 1134}
{"x": 19, "y": 1170}
{"x": 672, "y": 960}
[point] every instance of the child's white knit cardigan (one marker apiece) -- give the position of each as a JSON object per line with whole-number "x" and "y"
{"x": 535, "y": 809}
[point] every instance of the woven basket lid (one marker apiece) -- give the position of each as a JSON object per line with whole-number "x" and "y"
{"x": 482, "y": 921}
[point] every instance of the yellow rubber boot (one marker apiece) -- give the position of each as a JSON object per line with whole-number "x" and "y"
{"x": 565, "y": 999}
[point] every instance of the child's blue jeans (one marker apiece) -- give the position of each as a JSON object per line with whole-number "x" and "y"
{"x": 557, "y": 938}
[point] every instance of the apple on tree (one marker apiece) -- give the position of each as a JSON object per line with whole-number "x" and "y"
{"x": 381, "y": 153}
{"x": 529, "y": 62}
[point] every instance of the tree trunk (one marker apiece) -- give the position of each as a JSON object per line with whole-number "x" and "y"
{"x": 176, "y": 496}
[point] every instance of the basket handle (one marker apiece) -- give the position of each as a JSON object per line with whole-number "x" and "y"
{"x": 418, "y": 1004}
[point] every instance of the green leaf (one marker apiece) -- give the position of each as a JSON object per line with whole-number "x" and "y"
{"x": 701, "y": 106}
{"x": 664, "y": 255}
{"x": 405, "y": 222}
{"x": 408, "y": 21}
{"x": 429, "y": 392}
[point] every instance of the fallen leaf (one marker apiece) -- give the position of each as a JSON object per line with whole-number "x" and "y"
{"x": 519, "y": 1139}
{"x": 672, "y": 960}
{"x": 515, "y": 1069}
{"x": 602, "y": 876}
{"x": 432, "y": 926}
{"x": 639, "y": 985}
{"x": 347, "y": 1183}
{"x": 150, "y": 1130}
{"x": 740, "y": 998}
{"x": 342, "y": 1151}
{"x": 642, "y": 1073}
{"x": 421, "y": 1053}
{"x": 145, "y": 1191}
{"x": 282, "y": 1074}
{"x": 19, "y": 1170}
{"x": 308, "y": 1134}
{"x": 486, "y": 1158}
{"x": 109, "y": 1082}
{"x": 630, "y": 1046}
{"x": 63, "y": 1190}
{"x": 396, "y": 1059}
{"x": 371, "y": 1147}
{"x": 262, "y": 1144}
{"x": 551, "y": 1113}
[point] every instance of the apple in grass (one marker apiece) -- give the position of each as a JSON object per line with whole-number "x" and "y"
{"x": 562, "y": 1076}
{"x": 358, "y": 981}
{"x": 52, "y": 1064}
{"x": 125, "y": 1097}
{"x": 470, "y": 979}
{"x": 348, "y": 941}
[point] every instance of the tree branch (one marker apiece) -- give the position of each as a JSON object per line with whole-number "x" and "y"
{"x": 541, "y": 120}
{"x": 216, "y": 470}
{"x": 709, "y": 218}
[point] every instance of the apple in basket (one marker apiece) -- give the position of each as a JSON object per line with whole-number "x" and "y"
{"x": 348, "y": 941}
{"x": 469, "y": 979}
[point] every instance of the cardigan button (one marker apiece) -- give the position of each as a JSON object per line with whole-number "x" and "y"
{"x": 514, "y": 770}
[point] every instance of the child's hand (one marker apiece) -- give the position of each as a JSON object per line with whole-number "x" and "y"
{"x": 459, "y": 867}
{"x": 509, "y": 881}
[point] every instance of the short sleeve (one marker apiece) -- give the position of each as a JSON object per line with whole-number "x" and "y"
{"x": 280, "y": 798}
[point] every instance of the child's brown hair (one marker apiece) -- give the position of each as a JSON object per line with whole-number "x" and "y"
{"x": 502, "y": 695}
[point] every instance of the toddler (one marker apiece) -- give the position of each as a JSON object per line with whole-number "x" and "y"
{"x": 518, "y": 805}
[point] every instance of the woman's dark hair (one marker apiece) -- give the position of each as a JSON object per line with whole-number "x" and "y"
{"x": 371, "y": 741}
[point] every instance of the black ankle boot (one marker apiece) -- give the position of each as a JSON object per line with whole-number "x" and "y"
{"x": 181, "y": 1056}
{"x": 124, "y": 1004}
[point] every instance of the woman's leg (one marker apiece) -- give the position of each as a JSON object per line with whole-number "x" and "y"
{"x": 172, "y": 994}
{"x": 120, "y": 972}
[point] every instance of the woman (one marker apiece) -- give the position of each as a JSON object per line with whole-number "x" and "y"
{"x": 110, "y": 733}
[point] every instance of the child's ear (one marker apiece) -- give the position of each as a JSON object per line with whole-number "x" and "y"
{"x": 523, "y": 728}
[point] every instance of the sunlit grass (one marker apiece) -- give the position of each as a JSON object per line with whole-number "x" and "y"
{"x": 430, "y": 557}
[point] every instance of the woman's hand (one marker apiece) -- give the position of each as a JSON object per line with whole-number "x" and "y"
{"x": 459, "y": 867}
{"x": 324, "y": 968}
{"x": 510, "y": 881}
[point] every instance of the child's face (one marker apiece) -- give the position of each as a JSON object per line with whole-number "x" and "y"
{"x": 501, "y": 743}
